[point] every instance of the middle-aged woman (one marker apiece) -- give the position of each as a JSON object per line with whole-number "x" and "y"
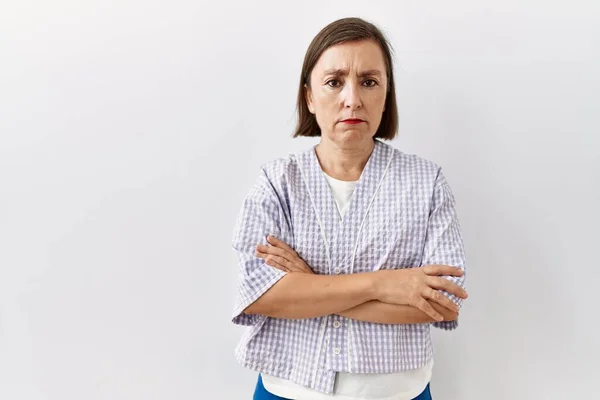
{"x": 351, "y": 250}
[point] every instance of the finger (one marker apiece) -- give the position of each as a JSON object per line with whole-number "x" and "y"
{"x": 296, "y": 267}
{"x": 447, "y": 286}
{"x": 280, "y": 243}
{"x": 284, "y": 264}
{"x": 424, "y": 306}
{"x": 436, "y": 270}
{"x": 290, "y": 266}
{"x": 439, "y": 298}
{"x": 275, "y": 251}
{"x": 261, "y": 254}
{"x": 272, "y": 263}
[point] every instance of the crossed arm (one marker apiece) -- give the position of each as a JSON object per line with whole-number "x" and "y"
{"x": 385, "y": 313}
{"x": 431, "y": 293}
{"x": 301, "y": 294}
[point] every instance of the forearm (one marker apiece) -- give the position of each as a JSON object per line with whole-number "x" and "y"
{"x": 300, "y": 295}
{"x": 384, "y": 313}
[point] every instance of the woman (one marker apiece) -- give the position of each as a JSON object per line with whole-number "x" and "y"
{"x": 350, "y": 251}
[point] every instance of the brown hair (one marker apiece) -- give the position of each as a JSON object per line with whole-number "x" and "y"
{"x": 341, "y": 31}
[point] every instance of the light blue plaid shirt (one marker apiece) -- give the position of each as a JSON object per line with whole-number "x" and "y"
{"x": 401, "y": 215}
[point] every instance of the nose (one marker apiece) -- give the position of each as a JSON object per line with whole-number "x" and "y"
{"x": 351, "y": 96}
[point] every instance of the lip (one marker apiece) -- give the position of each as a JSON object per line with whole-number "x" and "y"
{"x": 352, "y": 121}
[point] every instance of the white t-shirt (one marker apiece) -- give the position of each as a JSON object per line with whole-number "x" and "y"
{"x": 405, "y": 385}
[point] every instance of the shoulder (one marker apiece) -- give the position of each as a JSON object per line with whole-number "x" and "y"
{"x": 415, "y": 167}
{"x": 275, "y": 177}
{"x": 280, "y": 167}
{"x": 265, "y": 193}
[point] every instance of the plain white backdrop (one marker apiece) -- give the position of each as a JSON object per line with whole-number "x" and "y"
{"x": 130, "y": 132}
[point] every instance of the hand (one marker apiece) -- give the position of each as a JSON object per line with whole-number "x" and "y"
{"x": 281, "y": 256}
{"x": 414, "y": 286}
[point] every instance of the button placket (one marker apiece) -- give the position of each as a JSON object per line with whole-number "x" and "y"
{"x": 338, "y": 343}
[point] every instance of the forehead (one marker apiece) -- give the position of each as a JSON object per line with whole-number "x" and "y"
{"x": 353, "y": 56}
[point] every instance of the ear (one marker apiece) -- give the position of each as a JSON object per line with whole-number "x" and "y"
{"x": 309, "y": 99}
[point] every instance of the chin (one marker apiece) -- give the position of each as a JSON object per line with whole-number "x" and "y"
{"x": 353, "y": 136}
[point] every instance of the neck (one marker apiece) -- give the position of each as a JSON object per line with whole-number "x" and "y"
{"x": 343, "y": 163}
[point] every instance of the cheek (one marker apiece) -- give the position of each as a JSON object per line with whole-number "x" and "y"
{"x": 326, "y": 107}
{"x": 379, "y": 101}
{"x": 325, "y": 100}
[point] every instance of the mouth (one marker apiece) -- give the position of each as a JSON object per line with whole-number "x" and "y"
{"x": 352, "y": 121}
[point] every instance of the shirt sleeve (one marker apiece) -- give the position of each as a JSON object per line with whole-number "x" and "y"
{"x": 443, "y": 242}
{"x": 261, "y": 215}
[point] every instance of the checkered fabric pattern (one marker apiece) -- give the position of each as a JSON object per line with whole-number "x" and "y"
{"x": 401, "y": 215}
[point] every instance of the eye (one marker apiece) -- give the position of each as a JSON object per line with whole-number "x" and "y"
{"x": 333, "y": 83}
{"x": 370, "y": 83}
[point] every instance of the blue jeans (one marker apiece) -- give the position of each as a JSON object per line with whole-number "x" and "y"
{"x": 260, "y": 393}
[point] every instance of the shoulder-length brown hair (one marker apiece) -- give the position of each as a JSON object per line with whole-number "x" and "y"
{"x": 341, "y": 31}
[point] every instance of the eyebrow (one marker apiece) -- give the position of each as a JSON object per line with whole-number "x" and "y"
{"x": 344, "y": 72}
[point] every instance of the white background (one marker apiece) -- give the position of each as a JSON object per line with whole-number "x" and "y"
{"x": 130, "y": 131}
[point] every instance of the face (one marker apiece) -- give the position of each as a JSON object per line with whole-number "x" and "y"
{"x": 347, "y": 92}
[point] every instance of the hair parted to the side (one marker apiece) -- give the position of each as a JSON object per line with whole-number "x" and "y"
{"x": 337, "y": 32}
